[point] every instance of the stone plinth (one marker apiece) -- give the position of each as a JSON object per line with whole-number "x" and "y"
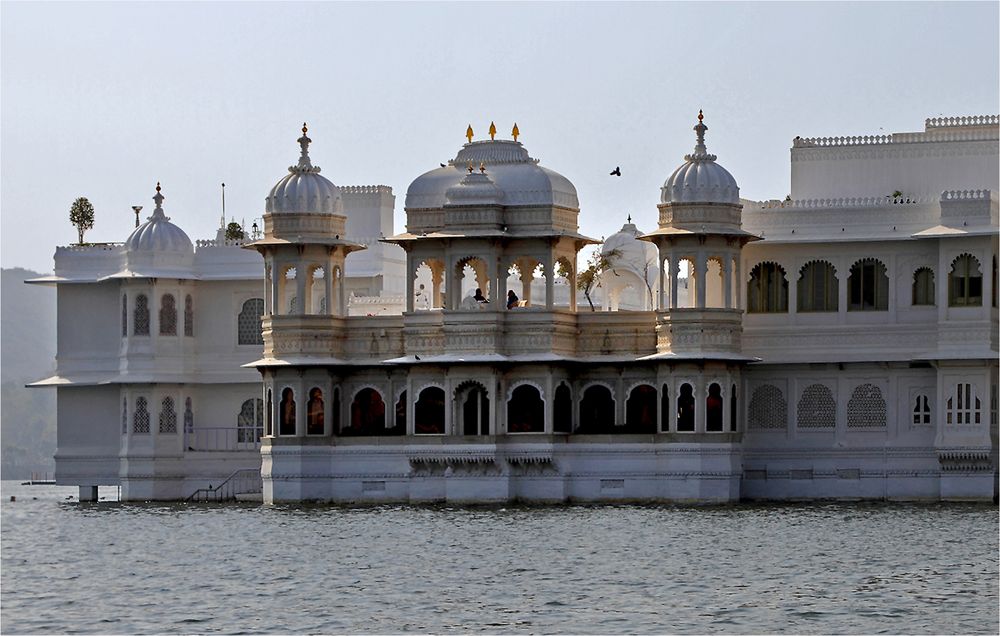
{"x": 298, "y": 336}
{"x": 698, "y": 331}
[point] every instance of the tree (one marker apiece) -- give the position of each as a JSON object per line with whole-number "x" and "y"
{"x": 234, "y": 232}
{"x": 597, "y": 263}
{"x": 81, "y": 214}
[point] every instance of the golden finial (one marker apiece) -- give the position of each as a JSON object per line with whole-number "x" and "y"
{"x": 493, "y": 131}
{"x": 468, "y": 133}
{"x": 515, "y": 132}
{"x": 482, "y": 167}
{"x": 157, "y": 186}
{"x": 700, "y": 116}
{"x": 305, "y": 128}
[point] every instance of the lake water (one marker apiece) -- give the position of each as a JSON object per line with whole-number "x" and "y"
{"x": 109, "y": 567}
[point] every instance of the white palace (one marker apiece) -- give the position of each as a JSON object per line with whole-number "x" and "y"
{"x": 840, "y": 343}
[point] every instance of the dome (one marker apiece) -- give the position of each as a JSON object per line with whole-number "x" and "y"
{"x": 699, "y": 179}
{"x": 303, "y": 190}
{"x": 630, "y": 253}
{"x": 518, "y": 177}
{"x": 158, "y": 234}
{"x": 474, "y": 189}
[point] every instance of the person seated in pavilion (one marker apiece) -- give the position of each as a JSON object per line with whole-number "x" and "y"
{"x": 479, "y": 296}
{"x": 512, "y": 299}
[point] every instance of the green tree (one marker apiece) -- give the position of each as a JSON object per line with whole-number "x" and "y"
{"x": 587, "y": 279}
{"x": 234, "y": 232}
{"x": 81, "y": 214}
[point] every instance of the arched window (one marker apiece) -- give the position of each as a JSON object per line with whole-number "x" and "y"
{"x": 400, "y": 426}
{"x": 640, "y": 410}
{"x": 768, "y": 408}
{"x": 188, "y": 316}
{"x": 140, "y": 417}
{"x": 428, "y": 415}
{"x": 124, "y": 416}
{"x": 475, "y": 408}
{"x": 367, "y": 414}
{"x": 664, "y": 409}
{"x": 140, "y": 316}
{"x": 921, "y": 411}
{"x": 168, "y": 315}
{"x": 817, "y": 408}
{"x": 286, "y": 422}
{"x": 964, "y": 406}
{"x": 525, "y": 410}
{"x": 817, "y": 287}
{"x": 248, "y": 323}
{"x": 250, "y": 421}
{"x": 314, "y": 412}
{"x": 168, "y": 416}
{"x": 124, "y": 315}
{"x": 866, "y": 408}
{"x": 733, "y": 410}
{"x": 713, "y": 409}
{"x": 923, "y": 286}
{"x": 562, "y": 415}
{"x": 189, "y": 416}
{"x": 597, "y": 410}
{"x": 767, "y": 291}
{"x": 868, "y": 286}
{"x": 965, "y": 282}
{"x": 267, "y": 415}
{"x": 685, "y": 408}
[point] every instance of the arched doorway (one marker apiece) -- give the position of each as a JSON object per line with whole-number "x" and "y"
{"x": 525, "y": 410}
{"x": 597, "y": 410}
{"x": 474, "y": 405}
{"x": 640, "y": 410}
{"x": 428, "y": 412}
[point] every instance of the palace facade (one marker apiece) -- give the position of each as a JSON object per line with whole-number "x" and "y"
{"x": 840, "y": 343}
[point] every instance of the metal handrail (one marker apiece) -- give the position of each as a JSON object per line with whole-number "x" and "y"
{"x": 235, "y": 484}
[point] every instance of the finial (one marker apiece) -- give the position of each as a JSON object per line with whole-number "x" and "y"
{"x": 158, "y": 198}
{"x": 630, "y": 219}
{"x": 700, "y": 129}
{"x": 304, "y": 141}
{"x": 157, "y": 186}
{"x": 515, "y": 132}
{"x": 493, "y": 131}
{"x": 482, "y": 167}
{"x": 468, "y": 133}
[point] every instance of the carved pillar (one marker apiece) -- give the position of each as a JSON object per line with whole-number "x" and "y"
{"x": 727, "y": 281}
{"x": 572, "y": 285}
{"x": 501, "y": 282}
{"x": 328, "y": 286}
{"x": 268, "y": 300}
{"x": 437, "y": 277}
{"x": 277, "y": 289}
{"x": 526, "y": 278}
{"x": 549, "y": 404}
{"x": 549, "y": 279}
{"x": 301, "y": 274}
{"x": 674, "y": 266}
{"x": 341, "y": 292}
{"x": 700, "y": 276}
{"x": 411, "y": 275}
{"x": 661, "y": 303}
{"x": 739, "y": 282}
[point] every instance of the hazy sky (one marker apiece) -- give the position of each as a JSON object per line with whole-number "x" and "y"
{"x": 103, "y": 100}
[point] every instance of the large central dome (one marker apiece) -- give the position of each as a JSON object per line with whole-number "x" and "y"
{"x": 699, "y": 179}
{"x": 518, "y": 178}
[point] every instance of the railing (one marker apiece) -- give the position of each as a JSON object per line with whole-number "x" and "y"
{"x": 215, "y": 243}
{"x": 245, "y": 481}
{"x": 973, "y": 120}
{"x": 969, "y": 195}
{"x": 844, "y": 202}
{"x": 222, "y": 438}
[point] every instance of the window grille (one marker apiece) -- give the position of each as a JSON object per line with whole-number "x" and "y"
{"x": 140, "y": 318}
{"x": 768, "y": 408}
{"x": 818, "y": 287}
{"x": 188, "y": 316}
{"x": 168, "y": 315}
{"x": 767, "y": 291}
{"x": 868, "y": 286}
{"x": 248, "y": 323}
{"x": 965, "y": 282}
{"x": 817, "y": 408}
{"x": 964, "y": 407}
{"x": 921, "y": 411}
{"x": 124, "y": 416}
{"x": 866, "y": 408}
{"x": 168, "y": 416}
{"x": 293, "y": 304}
{"x": 250, "y": 421}
{"x": 124, "y": 315}
{"x": 923, "y": 286}
{"x": 140, "y": 418}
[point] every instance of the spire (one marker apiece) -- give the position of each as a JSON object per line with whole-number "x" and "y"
{"x": 515, "y": 131}
{"x": 468, "y": 133}
{"x": 493, "y": 131}
{"x": 158, "y": 210}
{"x": 304, "y": 142}
{"x": 700, "y": 129}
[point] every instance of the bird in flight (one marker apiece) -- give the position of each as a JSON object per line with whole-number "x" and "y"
{"x": 617, "y": 172}
{"x": 442, "y": 165}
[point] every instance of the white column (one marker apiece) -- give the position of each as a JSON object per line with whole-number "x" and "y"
{"x": 739, "y": 283}
{"x": 700, "y": 271}
{"x": 673, "y": 266}
{"x": 328, "y": 285}
{"x": 661, "y": 302}
{"x": 727, "y": 280}
{"x": 549, "y": 404}
{"x": 549, "y": 276}
{"x": 341, "y": 294}
{"x": 410, "y": 280}
{"x": 268, "y": 288}
{"x": 301, "y": 274}
{"x": 277, "y": 278}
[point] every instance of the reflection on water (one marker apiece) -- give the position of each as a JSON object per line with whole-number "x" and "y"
{"x": 812, "y": 568}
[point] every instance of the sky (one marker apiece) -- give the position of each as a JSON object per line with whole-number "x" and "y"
{"x": 105, "y": 99}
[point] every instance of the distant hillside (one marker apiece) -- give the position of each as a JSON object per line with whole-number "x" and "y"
{"x": 27, "y": 353}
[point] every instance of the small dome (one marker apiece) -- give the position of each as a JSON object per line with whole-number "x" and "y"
{"x": 699, "y": 179}
{"x": 303, "y": 190}
{"x": 624, "y": 251}
{"x": 474, "y": 189}
{"x": 158, "y": 234}
{"x": 519, "y": 178}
